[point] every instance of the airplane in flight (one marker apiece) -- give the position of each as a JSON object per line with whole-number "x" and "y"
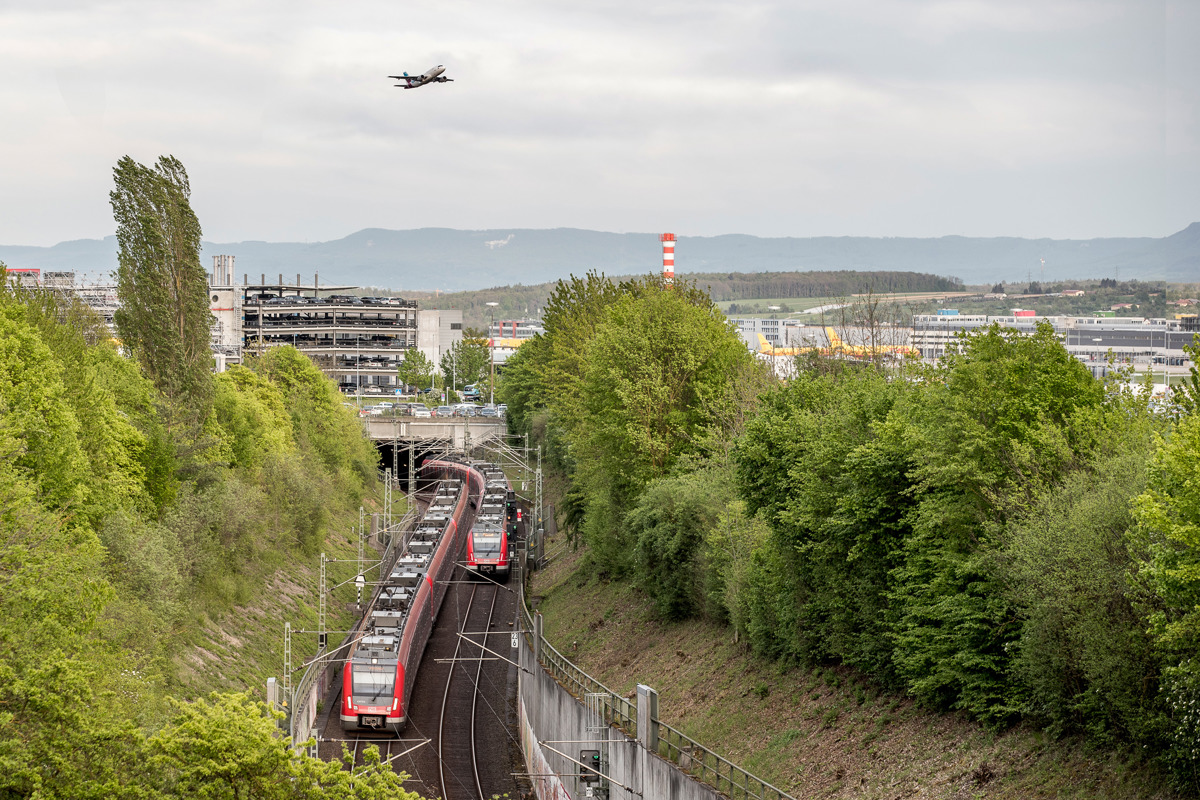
{"x": 413, "y": 81}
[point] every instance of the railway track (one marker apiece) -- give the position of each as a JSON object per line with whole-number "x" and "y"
{"x": 463, "y": 705}
{"x": 458, "y": 754}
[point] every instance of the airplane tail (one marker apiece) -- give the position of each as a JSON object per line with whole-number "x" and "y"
{"x": 835, "y": 341}
{"x": 763, "y": 345}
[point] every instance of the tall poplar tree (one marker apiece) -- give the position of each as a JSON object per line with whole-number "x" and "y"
{"x": 164, "y": 319}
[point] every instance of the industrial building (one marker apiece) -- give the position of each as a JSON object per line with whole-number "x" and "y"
{"x": 1130, "y": 339}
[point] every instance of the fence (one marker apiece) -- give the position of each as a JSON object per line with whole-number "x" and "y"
{"x": 706, "y": 766}
{"x": 690, "y": 756}
{"x": 304, "y": 699}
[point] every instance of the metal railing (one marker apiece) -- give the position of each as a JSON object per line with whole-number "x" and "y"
{"x": 698, "y": 761}
{"x": 614, "y": 708}
{"x": 708, "y": 767}
{"x": 302, "y": 696}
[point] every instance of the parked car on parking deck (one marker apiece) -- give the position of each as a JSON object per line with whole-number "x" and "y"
{"x": 420, "y": 411}
{"x": 444, "y": 411}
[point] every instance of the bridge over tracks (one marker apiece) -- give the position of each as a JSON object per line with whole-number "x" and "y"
{"x": 455, "y": 432}
{"x": 404, "y": 443}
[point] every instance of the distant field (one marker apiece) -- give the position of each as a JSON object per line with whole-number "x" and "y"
{"x": 899, "y": 307}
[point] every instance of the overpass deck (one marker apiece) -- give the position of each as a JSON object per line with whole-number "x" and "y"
{"x": 455, "y": 431}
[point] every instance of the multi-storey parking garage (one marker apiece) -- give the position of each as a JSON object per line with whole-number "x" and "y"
{"x": 357, "y": 341}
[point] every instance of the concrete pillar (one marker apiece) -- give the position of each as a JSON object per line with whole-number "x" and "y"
{"x": 647, "y": 721}
{"x": 537, "y": 637}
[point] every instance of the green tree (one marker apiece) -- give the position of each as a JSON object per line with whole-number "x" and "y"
{"x": 415, "y": 369}
{"x": 669, "y": 525}
{"x": 1168, "y": 517}
{"x": 1083, "y": 661}
{"x": 1003, "y": 415}
{"x": 465, "y": 363}
{"x": 659, "y": 382}
{"x": 164, "y": 319}
{"x": 1187, "y": 394}
{"x": 228, "y": 746}
{"x": 823, "y": 466}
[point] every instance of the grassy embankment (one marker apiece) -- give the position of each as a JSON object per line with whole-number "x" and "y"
{"x": 234, "y": 639}
{"x": 821, "y": 732}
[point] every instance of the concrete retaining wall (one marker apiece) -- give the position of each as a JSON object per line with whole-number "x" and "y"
{"x": 552, "y": 720}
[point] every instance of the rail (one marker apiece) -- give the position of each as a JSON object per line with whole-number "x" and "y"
{"x": 698, "y": 761}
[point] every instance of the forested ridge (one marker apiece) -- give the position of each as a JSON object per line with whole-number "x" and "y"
{"x": 522, "y": 302}
{"x": 999, "y": 535}
{"x": 142, "y": 497}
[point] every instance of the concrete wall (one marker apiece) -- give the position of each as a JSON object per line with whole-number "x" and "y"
{"x": 551, "y": 719}
{"x": 482, "y": 429}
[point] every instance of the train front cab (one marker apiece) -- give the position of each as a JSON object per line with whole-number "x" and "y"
{"x": 487, "y": 552}
{"x": 373, "y": 696}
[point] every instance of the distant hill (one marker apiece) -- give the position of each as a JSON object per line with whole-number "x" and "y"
{"x": 453, "y": 260}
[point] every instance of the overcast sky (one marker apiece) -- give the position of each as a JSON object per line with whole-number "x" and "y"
{"x": 1057, "y": 118}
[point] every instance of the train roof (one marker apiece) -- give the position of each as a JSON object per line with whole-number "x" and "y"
{"x": 386, "y": 619}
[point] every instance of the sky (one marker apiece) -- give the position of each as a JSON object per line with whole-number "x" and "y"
{"x": 1032, "y": 118}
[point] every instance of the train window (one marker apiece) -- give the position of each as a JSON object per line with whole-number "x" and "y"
{"x": 373, "y": 684}
{"x": 487, "y": 546}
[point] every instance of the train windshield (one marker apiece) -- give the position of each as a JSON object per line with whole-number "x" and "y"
{"x": 374, "y": 684}
{"x": 487, "y": 545}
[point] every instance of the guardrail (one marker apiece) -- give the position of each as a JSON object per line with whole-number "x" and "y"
{"x": 698, "y": 761}
{"x": 304, "y": 699}
{"x": 614, "y": 708}
{"x": 708, "y": 767}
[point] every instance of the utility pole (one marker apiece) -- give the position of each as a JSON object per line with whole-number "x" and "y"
{"x": 287, "y": 670}
{"x": 537, "y": 491}
{"x": 361, "y": 536}
{"x": 322, "y": 639}
{"x": 387, "y": 501}
{"x": 492, "y": 355}
{"x": 539, "y": 528}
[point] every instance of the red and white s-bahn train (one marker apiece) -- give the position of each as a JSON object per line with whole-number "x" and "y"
{"x": 488, "y": 551}
{"x": 381, "y": 667}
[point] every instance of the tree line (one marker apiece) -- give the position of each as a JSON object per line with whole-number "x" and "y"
{"x": 529, "y": 302}
{"x": 999, "y": 535}
{"x": 140, "y": 493}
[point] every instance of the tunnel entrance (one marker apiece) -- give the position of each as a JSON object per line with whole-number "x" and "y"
{"x": 394, "y": 455}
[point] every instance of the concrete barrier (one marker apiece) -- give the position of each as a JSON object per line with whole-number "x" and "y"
{"x": 555, "y": 727}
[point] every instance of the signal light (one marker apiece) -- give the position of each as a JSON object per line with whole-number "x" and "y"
{"x": 590, "y": 771}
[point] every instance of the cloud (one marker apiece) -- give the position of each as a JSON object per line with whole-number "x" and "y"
{"x": 916, "y": 117}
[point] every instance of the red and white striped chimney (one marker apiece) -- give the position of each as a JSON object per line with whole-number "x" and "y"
{"x": 668, "y": 244}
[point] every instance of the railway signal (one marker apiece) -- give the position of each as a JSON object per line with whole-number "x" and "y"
{"x": 589, "y": 772}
